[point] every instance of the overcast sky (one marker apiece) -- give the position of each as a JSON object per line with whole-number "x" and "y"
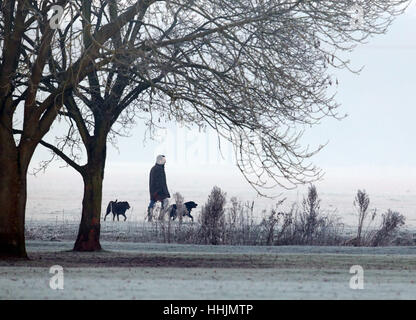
{"x": 374, "y": 142}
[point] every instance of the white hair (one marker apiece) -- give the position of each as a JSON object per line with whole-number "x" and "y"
{"x": 161, "y": 159}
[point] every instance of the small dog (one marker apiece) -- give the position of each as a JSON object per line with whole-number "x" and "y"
{"x": 188, "y": 205}
{"x": 117, "y": 208}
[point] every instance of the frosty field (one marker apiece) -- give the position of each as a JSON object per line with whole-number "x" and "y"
{"x": 128, "y": 270}
{"x": 57, "y": 194}
{"x": 132, "y": 267}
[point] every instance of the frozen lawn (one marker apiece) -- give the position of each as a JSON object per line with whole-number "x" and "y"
{"x": 164, "y": 271}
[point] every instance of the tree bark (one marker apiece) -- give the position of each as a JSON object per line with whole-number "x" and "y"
{"x": 88, "y": 238}
{"x": 13, "y": 196}
{"x": 12, "y": 213}
{"x": 89, "y": 230}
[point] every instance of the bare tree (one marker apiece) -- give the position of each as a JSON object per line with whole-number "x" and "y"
{"x": 93, "y": 109}
{"x": 96, "y": 106}
{"x": 27, "y": 39}
{"x": 257, "y": 72}
{"x": 254, "y": 71}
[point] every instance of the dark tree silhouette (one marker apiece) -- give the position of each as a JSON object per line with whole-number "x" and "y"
{"x": 27, "y": 40}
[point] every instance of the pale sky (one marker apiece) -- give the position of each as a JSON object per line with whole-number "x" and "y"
{"x": 374, "y": 143}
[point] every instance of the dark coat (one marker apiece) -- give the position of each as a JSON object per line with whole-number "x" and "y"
{"x": 157, "y": 183}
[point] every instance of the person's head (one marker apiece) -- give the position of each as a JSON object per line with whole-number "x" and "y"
{"x": 161, "y": 159}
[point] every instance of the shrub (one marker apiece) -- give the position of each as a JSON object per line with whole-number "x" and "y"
{"x": 310, "y": 225}
{"x": 269, "y": 224}
{"x": 361, "y": 202}
{"x": 212, "y": 217}
{"x": 392, "y": 221}
{"x": 308, "y": 220}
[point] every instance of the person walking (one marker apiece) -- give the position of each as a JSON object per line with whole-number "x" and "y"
{"x": 157, "y": 186}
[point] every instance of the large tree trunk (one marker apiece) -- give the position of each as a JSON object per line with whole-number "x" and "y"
{"x": 89, "y": 230}
{"x": 13, "y": 196}
{"x": 12, "y": 211}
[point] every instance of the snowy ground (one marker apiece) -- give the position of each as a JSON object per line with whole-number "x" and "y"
{"x": 167, "y": 271}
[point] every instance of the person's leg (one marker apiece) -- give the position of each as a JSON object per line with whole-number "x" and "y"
{"x": 151, "y": 204}
{"x": 150, "y": 210}
{"x": 165, "y": 203}
{"x": 163, "y": 209}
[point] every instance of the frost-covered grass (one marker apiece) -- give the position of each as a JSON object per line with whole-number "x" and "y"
{"x": 204, "y": 284}
{"x": 171, "y": 271}
{"x": 136, "y": 230}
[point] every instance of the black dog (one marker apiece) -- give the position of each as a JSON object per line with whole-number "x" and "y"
{"x": 189, "y": 206}
{"x": 117, "y": 208}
